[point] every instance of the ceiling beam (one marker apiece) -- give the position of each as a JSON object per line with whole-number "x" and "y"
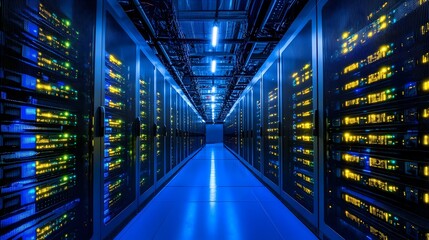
{"x": 221, "y": 41}
{"x": 209, "y": 64}
{"x": 211, "y": 15}
{"x": 210, "y": 54}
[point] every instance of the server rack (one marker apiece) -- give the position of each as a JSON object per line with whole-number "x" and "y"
{"x": 173, "y": 129}
{"x": 364, "y": 65}
{"x": 168, "y": 127}
{"x": 270, "y": 93}
{"x": 146, "y": 80}
{"x": 298, "y": 117}
{"x": 45, "y": 134}
{"x": 257, "y": 125}
{"x": 160, "y": 125}
{"x": 375, "y": 70}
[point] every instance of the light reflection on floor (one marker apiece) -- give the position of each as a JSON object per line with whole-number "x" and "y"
{"x": 215, "y": 197}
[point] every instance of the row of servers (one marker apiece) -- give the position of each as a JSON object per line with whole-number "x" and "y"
{"x": 337, "y": 120}
{"x": 91, "y": 124}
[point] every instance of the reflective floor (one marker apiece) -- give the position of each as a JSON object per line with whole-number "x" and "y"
{"x": 215, "y": 197}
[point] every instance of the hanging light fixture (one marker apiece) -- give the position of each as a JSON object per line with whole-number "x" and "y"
{"x": 215, "y": 32}
{"x": 213, "y": 66}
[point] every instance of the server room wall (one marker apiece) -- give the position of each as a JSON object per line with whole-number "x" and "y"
{"x": 340, "y": 128}
{"x": 90, "y": 120}
{"x": 214, "y": 133}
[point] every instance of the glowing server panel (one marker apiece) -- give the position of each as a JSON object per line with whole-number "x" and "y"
{"x": 297, "y": 116}
{"x": 45, "y": 108}
{"x": 118, "y": 151}
{"x": 257, "y": 125}
{"x": 160, "y": 125}
{"x": 376, "y": 75}
{"x": 271, "y": 124}
{"x": 146, "y": 137}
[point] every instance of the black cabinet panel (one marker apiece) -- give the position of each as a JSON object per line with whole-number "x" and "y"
{"x": 376, "y": 92}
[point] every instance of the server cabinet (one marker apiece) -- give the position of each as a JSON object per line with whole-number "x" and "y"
{"x": 180, "y": 128}
{"x": 298, "y": 104}
{"x": 167, "y": 130}
{"x": 146, "y": 169}
{"x": 241, "y": 127}
{"x": 173, "y": 129}
{"x": 257, "y": 125}
{"x": 375, "y": 71}
{"x": 160, "y": 125}
{"x": 45, "y": 111}
{"x": 118, "y": 138}
{"x": 271, "y": 166}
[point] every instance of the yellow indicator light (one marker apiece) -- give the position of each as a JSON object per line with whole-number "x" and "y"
{"x": 49, "y": 38}
{"x": 383, "y": 25}
{"x": 425, "y": 58}
{"x": 382, "y": 18}
{"x": 114, "y": 60}
{"x": 426, "y": 198}
{"x": 426, "y": 140}
{"x": 425, "y": 85}
{"x": 384, "y": 48}
{"x": 345, "y": 35}
{"x": 426, "y": 171}
{"x": 370, "y": 34}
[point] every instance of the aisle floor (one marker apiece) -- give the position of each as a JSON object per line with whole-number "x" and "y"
{"x": 215, "y": 197}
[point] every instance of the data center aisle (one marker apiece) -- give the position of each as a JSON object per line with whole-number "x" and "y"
{"x": 215, "y": 197}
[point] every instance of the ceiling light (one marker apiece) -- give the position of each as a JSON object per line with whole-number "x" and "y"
{"x": 213, "y": 66}
{"x": 213, "y": 105}
{"x": 213, "y": 98}
{"x": 213, "y": 89}
{"x": 215, "y": 35}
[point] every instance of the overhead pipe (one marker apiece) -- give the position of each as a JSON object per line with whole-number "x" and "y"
{"x": 161, "y": 49}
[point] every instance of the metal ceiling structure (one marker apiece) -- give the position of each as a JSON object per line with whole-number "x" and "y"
{"x": 180, "y": 32}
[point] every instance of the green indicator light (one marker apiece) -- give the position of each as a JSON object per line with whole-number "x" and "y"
{"x": 67, "y": 64}
{"x": 66, "y": 113}
{"x": 67, "y": 44}
{"x": 65, "y": 157}
{"x": 66, "y": 135}
{"x": 67, "y": 88}
{"x": 67, "y": 23}
{"x": 65, "y": 178}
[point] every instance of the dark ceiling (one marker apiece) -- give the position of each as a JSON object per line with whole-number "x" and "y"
{"x": 180, "y": 33}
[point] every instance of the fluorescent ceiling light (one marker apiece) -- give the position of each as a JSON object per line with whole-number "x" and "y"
{"x": 213, "y": 66}
{"x": 213, "y": 89}
{"x": 213, "y": 98}
{"x": 213, "y": 105}
{"x": 215, "y": 35}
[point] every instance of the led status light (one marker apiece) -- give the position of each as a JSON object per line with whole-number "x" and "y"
{"x": 58, "y": 23}
{"x": 424, "y": 29}
{"x": 425, "y": 58}
{"x": 114, "y": 60}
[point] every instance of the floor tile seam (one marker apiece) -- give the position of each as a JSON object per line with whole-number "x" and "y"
{"x": 161, "y": 223}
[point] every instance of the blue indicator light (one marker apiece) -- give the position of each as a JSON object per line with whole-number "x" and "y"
{"x": 28, "y": 170}
{"x": 31, "y": 28}
{"x": 29, "y": 53}
{"x": 28, "y": 196}
{"x": 28, "y": 142}
{"x": 28, "y": 113}
{"x": 28, "y": 82}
